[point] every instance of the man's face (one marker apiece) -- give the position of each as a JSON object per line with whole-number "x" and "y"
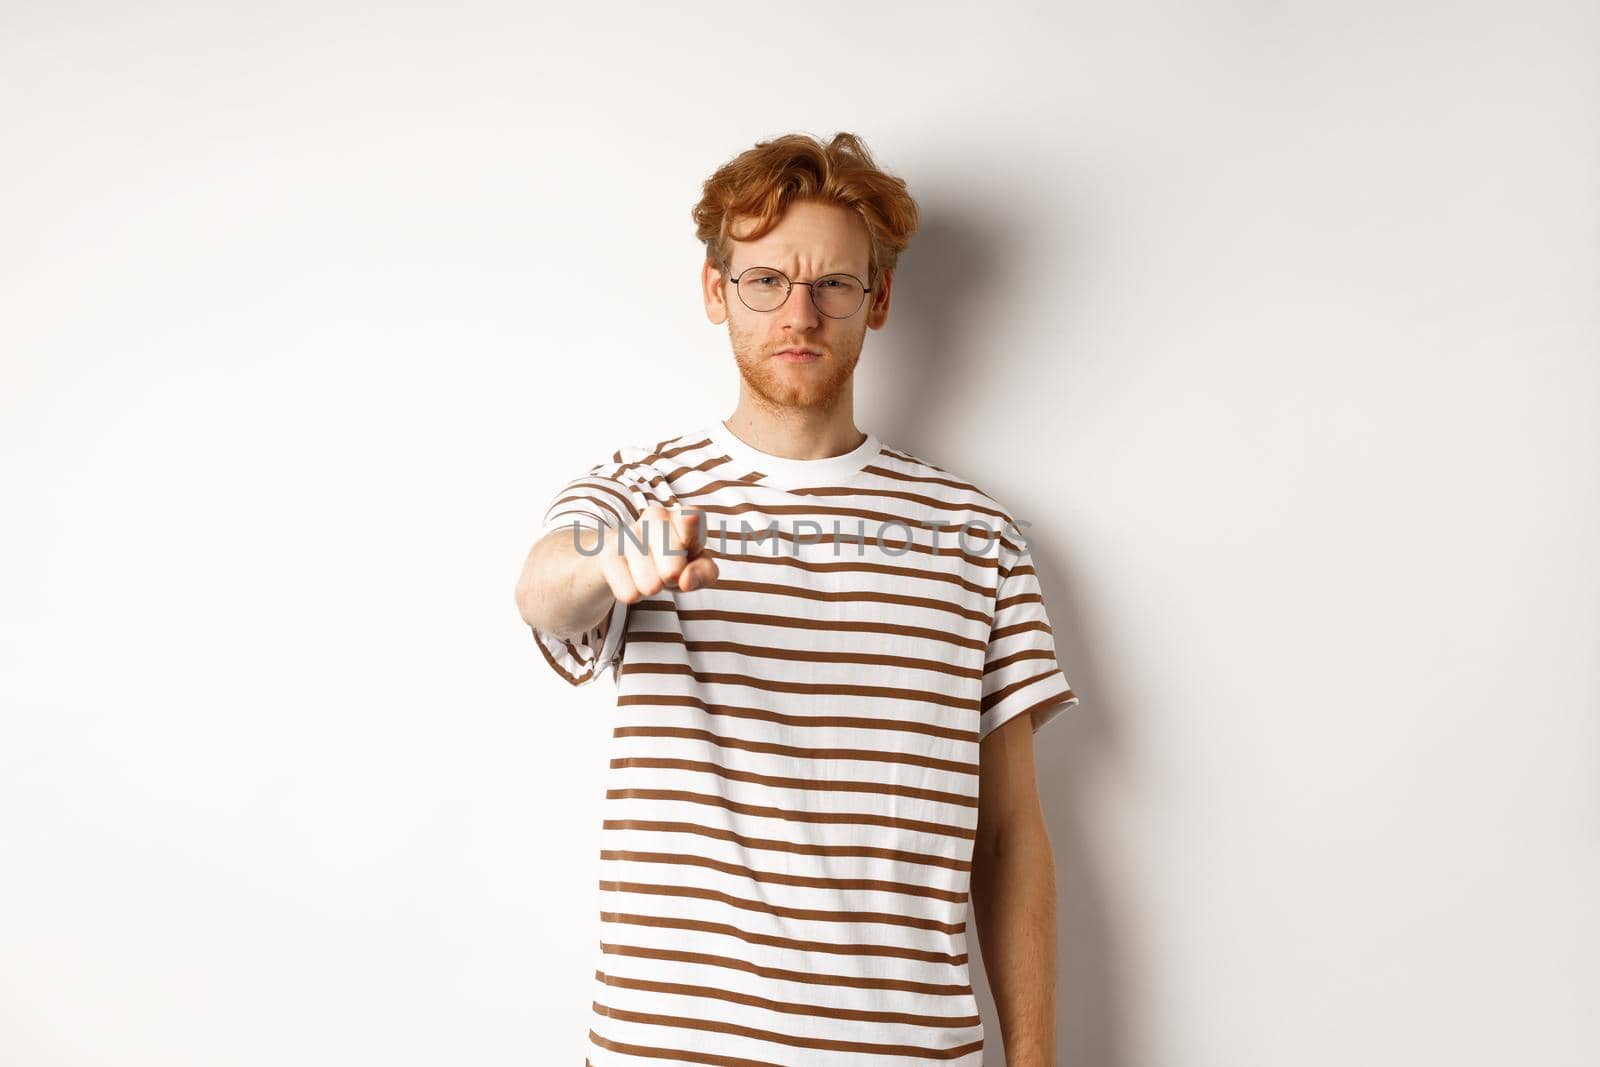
{"x": 810, "y": 240}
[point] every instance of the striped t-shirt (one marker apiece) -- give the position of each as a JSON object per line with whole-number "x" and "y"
{"x": 792, "y": 794}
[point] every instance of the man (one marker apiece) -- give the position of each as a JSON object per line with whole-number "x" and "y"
{"x": 827, "y": 688}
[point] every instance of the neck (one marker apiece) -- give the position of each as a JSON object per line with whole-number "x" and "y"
{"x": 795, "y": 433}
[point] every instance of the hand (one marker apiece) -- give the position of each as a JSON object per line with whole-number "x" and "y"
{"x": 634, "y": 572}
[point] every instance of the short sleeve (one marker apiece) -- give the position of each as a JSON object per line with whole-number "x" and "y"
{"x": 607, "y": 495}
{"x": 1020, "y": 671}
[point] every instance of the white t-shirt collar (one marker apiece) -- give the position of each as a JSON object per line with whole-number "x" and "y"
{"x": 785, "y": 473}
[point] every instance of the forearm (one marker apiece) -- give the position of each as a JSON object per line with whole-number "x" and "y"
{"x": 562, "y": 590}
{"x": 1014, "y": 902}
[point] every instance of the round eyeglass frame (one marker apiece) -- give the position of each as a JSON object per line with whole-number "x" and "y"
{"x": 788, "y": 288}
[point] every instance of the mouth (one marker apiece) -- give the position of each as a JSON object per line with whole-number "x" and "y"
{"x": 798, "y": 355}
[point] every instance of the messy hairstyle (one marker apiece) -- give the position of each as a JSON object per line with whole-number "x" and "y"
{"x": 762, "y": 182}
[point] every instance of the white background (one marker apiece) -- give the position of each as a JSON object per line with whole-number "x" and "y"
{"x": 1278, "y": 321}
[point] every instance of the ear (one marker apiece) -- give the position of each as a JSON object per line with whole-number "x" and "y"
{"x": 715, "y": 292}
{"x": 878, "y": 301}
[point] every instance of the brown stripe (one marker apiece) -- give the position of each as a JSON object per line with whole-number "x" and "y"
{"x": 1018, "y": 572}
{"x": 848, "y": 818}
{"x": 655, "y": 480}
{"x": 851, "y": 597}
{"x": 933, "y": 502}
{"x": 678, "y": 859}
{"x": 863, "y": 567}
{"x": 1021, "y": 627}
{"x": 773, "y": 685}
{"x": 763, "y": 714}
{"x": 821, "y": 1011}
{"x": 1012, "y": 601}
{"x": 909, "y": 458}
{"x": 591, "y": 494}
{"x": 1000, "y": 694}
{"x": 798, "y": 752}
{"x": 932, "y": 989}
{"x": 686, "y": 1055}
{"x": 549, "y": 657}
{"x": 659, "y": 480}
{"x": 883, "y": 518}
{"x": 662, "y": 922}
{"x": 614, "y": 518}
{"x": 738, "y": 1030}
{"x": 921, "y": 633}
{"x": 765, "y": 907}
{"x": 659, "y": 453}
{"x": 953, "y": 483}
{"x": 1027, "y": 653}
{"x": 742, "y": 482}
{"x": 815, "y": 785}
{"x": 803, "y": 655}
{"x": 760, "y": 536}
{"x": 902, "y": 856}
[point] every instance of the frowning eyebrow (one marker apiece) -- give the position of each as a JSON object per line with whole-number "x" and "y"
{"x": 780, "y": 270}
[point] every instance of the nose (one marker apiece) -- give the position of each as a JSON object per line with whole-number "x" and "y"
{"x": 798, "y": 312}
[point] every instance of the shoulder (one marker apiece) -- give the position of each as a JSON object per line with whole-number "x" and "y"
{"x": 645, "y": 456}
{"x": 950, "y": 490}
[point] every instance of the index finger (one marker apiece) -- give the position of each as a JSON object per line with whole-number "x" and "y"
{"x": 678, "y": 544}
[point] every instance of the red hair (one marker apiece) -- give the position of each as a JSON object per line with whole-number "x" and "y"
{"x": 763, "y": 181}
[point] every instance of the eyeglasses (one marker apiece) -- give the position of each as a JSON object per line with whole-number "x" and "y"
{"x": 837, "y": 296}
